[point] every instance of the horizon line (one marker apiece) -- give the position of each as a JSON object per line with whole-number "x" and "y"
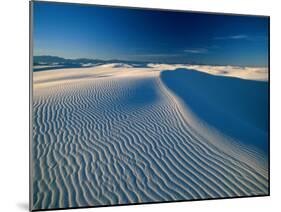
{"x": 143, "y": 61}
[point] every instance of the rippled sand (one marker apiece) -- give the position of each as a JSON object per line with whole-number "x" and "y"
{"x": 112, "y": 135}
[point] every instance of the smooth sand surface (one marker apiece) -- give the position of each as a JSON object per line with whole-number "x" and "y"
{"x": 115, "y": 134}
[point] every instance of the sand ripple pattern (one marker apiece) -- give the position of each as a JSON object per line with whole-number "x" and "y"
{"x": 119, "y": 140}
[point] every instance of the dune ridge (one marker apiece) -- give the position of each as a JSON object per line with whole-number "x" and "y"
{"x": 115, "y": 134}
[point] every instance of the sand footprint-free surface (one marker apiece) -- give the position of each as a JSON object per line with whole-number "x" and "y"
{"x": 116, "y": 135}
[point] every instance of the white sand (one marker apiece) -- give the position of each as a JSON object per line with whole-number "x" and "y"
{"x": 251, "y": 73}
{"x": 114, "y": 134}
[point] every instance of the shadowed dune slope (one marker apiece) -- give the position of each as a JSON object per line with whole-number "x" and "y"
{"x": 235, "y": 107}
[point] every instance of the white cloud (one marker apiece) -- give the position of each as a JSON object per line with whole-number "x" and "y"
{"x": 157, "y": 55}
{"x": 196, "y": 50}
{"x": 232, "y": 37}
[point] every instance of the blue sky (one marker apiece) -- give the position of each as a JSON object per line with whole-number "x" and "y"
{"x": 85, "y": 31}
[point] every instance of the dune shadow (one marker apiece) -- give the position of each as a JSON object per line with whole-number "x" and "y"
{"x": 140, "y": 65}
{"x": 236, "y": 107}
{"x": 23, "y": 206}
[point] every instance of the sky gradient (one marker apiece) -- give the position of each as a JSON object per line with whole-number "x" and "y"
{"x": 96, "y": 32}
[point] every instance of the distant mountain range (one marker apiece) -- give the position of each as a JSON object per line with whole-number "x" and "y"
{"x": 42, "y": 63}
{"x": 54, "y": 60}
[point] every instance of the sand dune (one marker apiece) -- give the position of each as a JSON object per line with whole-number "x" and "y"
{"x": 115, "y": 134}
{"x": 237, "y": 107}
{"x": 250, "y": 73}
